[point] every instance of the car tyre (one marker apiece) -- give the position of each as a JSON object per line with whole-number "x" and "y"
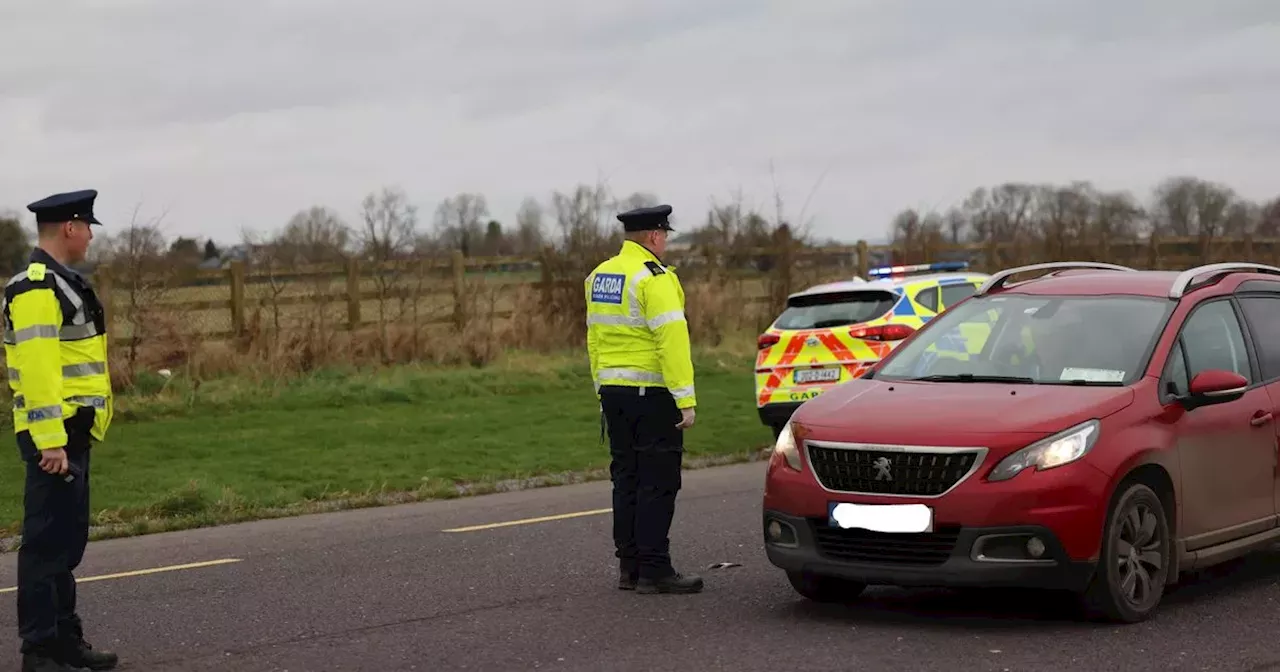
{"x": 1134, "y": 563}
{"x": 829, "y": 589}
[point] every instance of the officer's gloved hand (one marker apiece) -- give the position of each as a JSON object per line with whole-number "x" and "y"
{"x": 686, "y": 418}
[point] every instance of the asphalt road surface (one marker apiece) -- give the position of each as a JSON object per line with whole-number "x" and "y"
{"x": 394, "y": 589}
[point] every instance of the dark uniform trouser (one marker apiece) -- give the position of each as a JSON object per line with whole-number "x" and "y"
{"x": 647, "y": 450}
{"x": 55, "y": 531}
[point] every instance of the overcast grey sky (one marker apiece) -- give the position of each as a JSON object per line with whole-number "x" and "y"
{"x": 238, "y": 113}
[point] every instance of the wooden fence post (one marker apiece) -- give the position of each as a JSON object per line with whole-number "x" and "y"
{"x": 353, "y": 293}
{"x": 102, "y": 285}
{"x": 864, "y": 262}
{"x": 548, "y": 280}
{"x": 459, "y": 290}
{"x": 236, "y": 273}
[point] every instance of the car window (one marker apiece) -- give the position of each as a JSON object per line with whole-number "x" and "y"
{"x": 928, "y": 298}
{"x": 1263, "y": 315}
{"x": 1102, "y": 340}
{"x": 1213, "y": 340}
{"x": 835, "y": 309}
{"x": 1175, "y": 372}
{"x": 953, "y": 294}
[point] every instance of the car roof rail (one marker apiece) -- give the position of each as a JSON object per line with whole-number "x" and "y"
{"x": 998, "y": 280}
{"x": 1183, "y": 283}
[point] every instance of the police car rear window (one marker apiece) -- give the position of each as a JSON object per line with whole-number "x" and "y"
{"x": 835, "y": 309}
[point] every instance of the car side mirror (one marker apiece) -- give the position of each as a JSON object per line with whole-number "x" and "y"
{"x": 1215, "y": 386}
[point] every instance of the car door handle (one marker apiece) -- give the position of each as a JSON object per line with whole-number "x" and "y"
{"x": 1260, "y": 418}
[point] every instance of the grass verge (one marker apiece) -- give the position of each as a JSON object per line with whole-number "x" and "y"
{"x": 198, "y": 454}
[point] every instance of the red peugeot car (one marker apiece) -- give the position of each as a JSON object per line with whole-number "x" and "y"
{"x": 1096, "y": 429}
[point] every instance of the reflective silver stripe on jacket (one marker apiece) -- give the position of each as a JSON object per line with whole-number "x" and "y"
{"x": 682, "y": 392}
{"x": 78, "y": 332}
{"x": 615, "y": 320}
{"x": 79, "y": 317}
{"x": 633, "y": 292}
{"x": 72, "y": 332}
{"x": 31, "y": 333}
{"x": 665, "y": 318}
{"x": 79, "y": 327}
{"x": 79, "y": 400}
{"x": 88, "y": 400}
{"x": 630, "y": 375}
{"x": 44, "y": 413}
{"x": 86, "y": 369}
{"x": 71, "y": 370}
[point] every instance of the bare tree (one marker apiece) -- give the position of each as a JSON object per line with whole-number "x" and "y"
{"x": 1269, "y": 219}
{"x": 529, "y": 234}
{"x": 389, "y": 235}
{"x": 313, "y": 236}
{"x": 1189, "y": 206}
{"x": 15, "y": 244}
{"x": 582, "y": 218}
{"x": 460, "y": 222}
{"x": 136, "y": 260}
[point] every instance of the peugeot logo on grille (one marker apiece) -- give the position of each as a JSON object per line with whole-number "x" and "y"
{"x": 881, "y": 466}
{"x": 812, "y": 341}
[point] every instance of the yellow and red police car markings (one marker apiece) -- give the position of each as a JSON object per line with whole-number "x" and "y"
{"x": 794, "y": 346}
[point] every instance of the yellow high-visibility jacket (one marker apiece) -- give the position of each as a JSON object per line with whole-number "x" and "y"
{"x": 637, "y": 334}
{"x": 55, "y": 347}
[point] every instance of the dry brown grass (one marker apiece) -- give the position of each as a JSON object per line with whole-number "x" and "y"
{"x": 423, "y": 319}
{"x": 498, "y": 318}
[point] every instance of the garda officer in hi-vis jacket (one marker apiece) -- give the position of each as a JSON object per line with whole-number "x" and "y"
{"x": 638, "y": 342}
{"x": 55, "y": 346}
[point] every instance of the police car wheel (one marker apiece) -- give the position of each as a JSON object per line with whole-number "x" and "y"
{"x": 825, "y": 588}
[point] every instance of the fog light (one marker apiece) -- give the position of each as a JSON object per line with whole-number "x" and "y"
{"x": 780, "y": 533}
{"x": 1035, "y": 547}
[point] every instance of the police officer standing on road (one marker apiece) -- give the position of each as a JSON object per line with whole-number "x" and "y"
{"x": 55, "y": 344}
{"x": 638, "y": 342}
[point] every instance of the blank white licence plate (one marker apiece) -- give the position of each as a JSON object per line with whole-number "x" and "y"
{"x": 802, "y": 376}
{"x": 904, "y": 518}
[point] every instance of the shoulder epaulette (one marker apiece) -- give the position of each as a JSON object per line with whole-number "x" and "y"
{"x": 655, "y": 268}
{"x": 36, "y": 271}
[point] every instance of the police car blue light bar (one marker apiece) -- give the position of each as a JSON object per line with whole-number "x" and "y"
{"x": 918, "y": 268}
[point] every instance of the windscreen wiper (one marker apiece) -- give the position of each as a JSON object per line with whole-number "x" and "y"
{"x": 1088, "y": 383}
{"x": 974, "y": 378}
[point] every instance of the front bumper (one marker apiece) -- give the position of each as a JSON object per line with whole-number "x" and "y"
{"x": 991, "y": 557}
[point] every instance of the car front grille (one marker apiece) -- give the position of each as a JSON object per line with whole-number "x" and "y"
{"x": 858, "y": 545}
{"x": 872, "y": 471}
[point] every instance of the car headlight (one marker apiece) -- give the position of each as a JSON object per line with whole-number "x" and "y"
{"x": 1055, "y": 451}
{"x": 786, "y": 446}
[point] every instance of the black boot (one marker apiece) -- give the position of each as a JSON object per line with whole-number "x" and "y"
{"x": 79, "y": 653}
{"x": 628, "y": 574}
{"x": 43, "y": 661}
{"x": 674, "y": 583}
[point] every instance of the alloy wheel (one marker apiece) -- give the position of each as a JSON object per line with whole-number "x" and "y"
{"x": 1139, "y": 555}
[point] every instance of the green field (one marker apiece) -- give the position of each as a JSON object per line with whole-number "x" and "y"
{"x": 228, "y": 450}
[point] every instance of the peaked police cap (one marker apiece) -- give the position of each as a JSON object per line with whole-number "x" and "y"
{"x": 66, "y": 207}
{"x": 646, "y": 219}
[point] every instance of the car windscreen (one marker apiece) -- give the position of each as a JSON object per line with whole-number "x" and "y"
{"x": 1080, "y": 340}
{"x": 835, "y": 309}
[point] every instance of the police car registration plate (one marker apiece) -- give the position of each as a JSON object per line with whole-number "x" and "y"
{"x": 903, "y": 518}
{"x": 802, "y": 376}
